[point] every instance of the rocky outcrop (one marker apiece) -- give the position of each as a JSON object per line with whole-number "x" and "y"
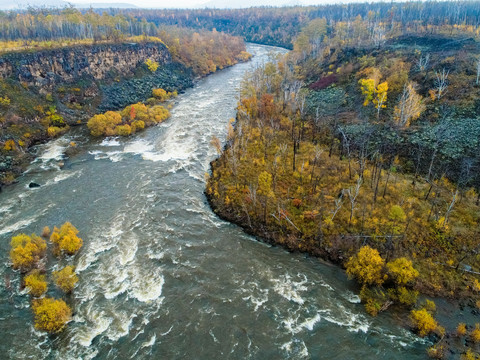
{"x": 47, "y": 68}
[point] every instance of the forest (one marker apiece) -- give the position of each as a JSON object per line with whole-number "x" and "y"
{"x": 360, "y": 146}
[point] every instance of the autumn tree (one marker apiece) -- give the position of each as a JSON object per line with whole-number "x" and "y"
{"x": 35, "y": 283}
{"x": 66, "y": 239}
{"x": 377, "y": 95}
{"x": 104, "y": 124}
{"x": 26, "y": 251}
{"x": 51, "y": 315}
{"x": 423, "y": 322}
{"x": 366, "y": 266}
{"x": 66, "y": 278}
{"x": 410, "y": 106}
{"x": 402, "y": 271}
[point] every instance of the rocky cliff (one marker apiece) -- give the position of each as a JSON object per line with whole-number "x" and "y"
{"x": 45, "y": 69}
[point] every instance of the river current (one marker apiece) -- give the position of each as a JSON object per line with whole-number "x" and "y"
{"x": 161, "y": 277}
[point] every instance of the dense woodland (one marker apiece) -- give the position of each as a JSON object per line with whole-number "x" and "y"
{"x": 361, "y": 145}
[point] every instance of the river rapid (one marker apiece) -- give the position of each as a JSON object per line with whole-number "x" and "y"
{"x": 161, "y": 276}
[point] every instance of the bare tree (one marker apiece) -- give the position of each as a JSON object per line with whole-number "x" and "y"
{"x": 478, "y": 70}
{"x": 409, "y": 107}
{"x": 352, "y": 193}
{"x": 441, "y": 83}
{"x": 422, "y": 63}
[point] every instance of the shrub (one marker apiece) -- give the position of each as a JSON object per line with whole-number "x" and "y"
{"x": 423, "y": 322}
{"x": 402, "y": 271}
{"x": 104, "y": 124}
{"x": 366, "y": 266}
{"x": 36, "y": 284}
{"x": 152, "y": 65}
{"x": 475, "y": 334}
{"x": 66, "y": 239}
{"x": 461, "y": 329}
{"x": 9, "y": 145}
{"x": 66, "y": 278}
{"x": 46, "y": 232}
{"x": 51, "y": 315}
{"x": 26, "y": 251}
{"x": 137, "y": 125}
{"x": 123, "y": 130}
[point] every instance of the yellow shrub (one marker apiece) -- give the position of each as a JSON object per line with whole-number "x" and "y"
{"x": 402, "y": 271}
{"x": 66, "y": 278}
{"x": 36, "y": 284}
{"x": 152, "y": 65}
{"x": 423, "y": 321}
{"x": 123, "y": 130}
{"x": 26, "y": 251}
{"x": 51, "y": 315}
{"x": 461, "y": 329}
{"x": 104, "y": 124}
{"x": 9, "y": 145}
{"x": 475, "y": 334}
{"x": 366, "y": 266}
{"x": 137, "y": 125}
{"x": 66, "y": 239}
{"x": 46, "y": 231}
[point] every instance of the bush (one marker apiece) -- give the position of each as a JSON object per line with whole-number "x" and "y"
{"x": 123, "y": 130}
{"x": 475, "y": 334}
{"x": 46, "y": 232}
{"x": 66, "y": 278}
{"x": 66, "y": 239}
{"x": 51, "y": 315}
{"x": 461, "y": 329}
{"x": 402, "y": 271}
{"x": 104, "y": 124}
{"x": 423, "y": 322}
{"x": 366, "y": 266}
{"x": 152, "y": 65}
{"x": 36, "y": 284}
{"x": 26, "y": 251}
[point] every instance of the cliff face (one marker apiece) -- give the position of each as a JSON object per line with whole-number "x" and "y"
{"x": 45, "y": 69}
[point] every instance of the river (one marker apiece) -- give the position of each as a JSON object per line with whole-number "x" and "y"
{"x": 161, "y": 276}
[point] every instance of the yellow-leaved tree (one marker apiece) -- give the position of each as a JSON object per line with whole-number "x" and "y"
{"x": 66, "y": 239}
{"x": 104, "y": 124}
{"x": 26, "y": 251}
{"x": 402, "y": 271}
{"x": 51, "y": 315}
{"x": 366, "y": 266}
{"x": 66, "y": 278}
{"x": 423, "y": 322}
{"x": 35, "y": 283}
{"x": 375, "y": 94}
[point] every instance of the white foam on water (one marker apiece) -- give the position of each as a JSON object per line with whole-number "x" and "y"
{"x": 96, "y": 324}
{"x": 19, "y": 224}
{"x": 352, "y": 322}
{"x": 127, "y": 248}
{"x": 53, "y": 150}
{"x": 120, "y": 326}
{"x": 290, "y": 289}
{"x": 146, "y": 287}
{"x": 150, "y": 342}
{"x": 352, "y": 298}
{"x": 296, "y": 349}
{"x": 110, "y": 141}
{"x": 138, "y": 147}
